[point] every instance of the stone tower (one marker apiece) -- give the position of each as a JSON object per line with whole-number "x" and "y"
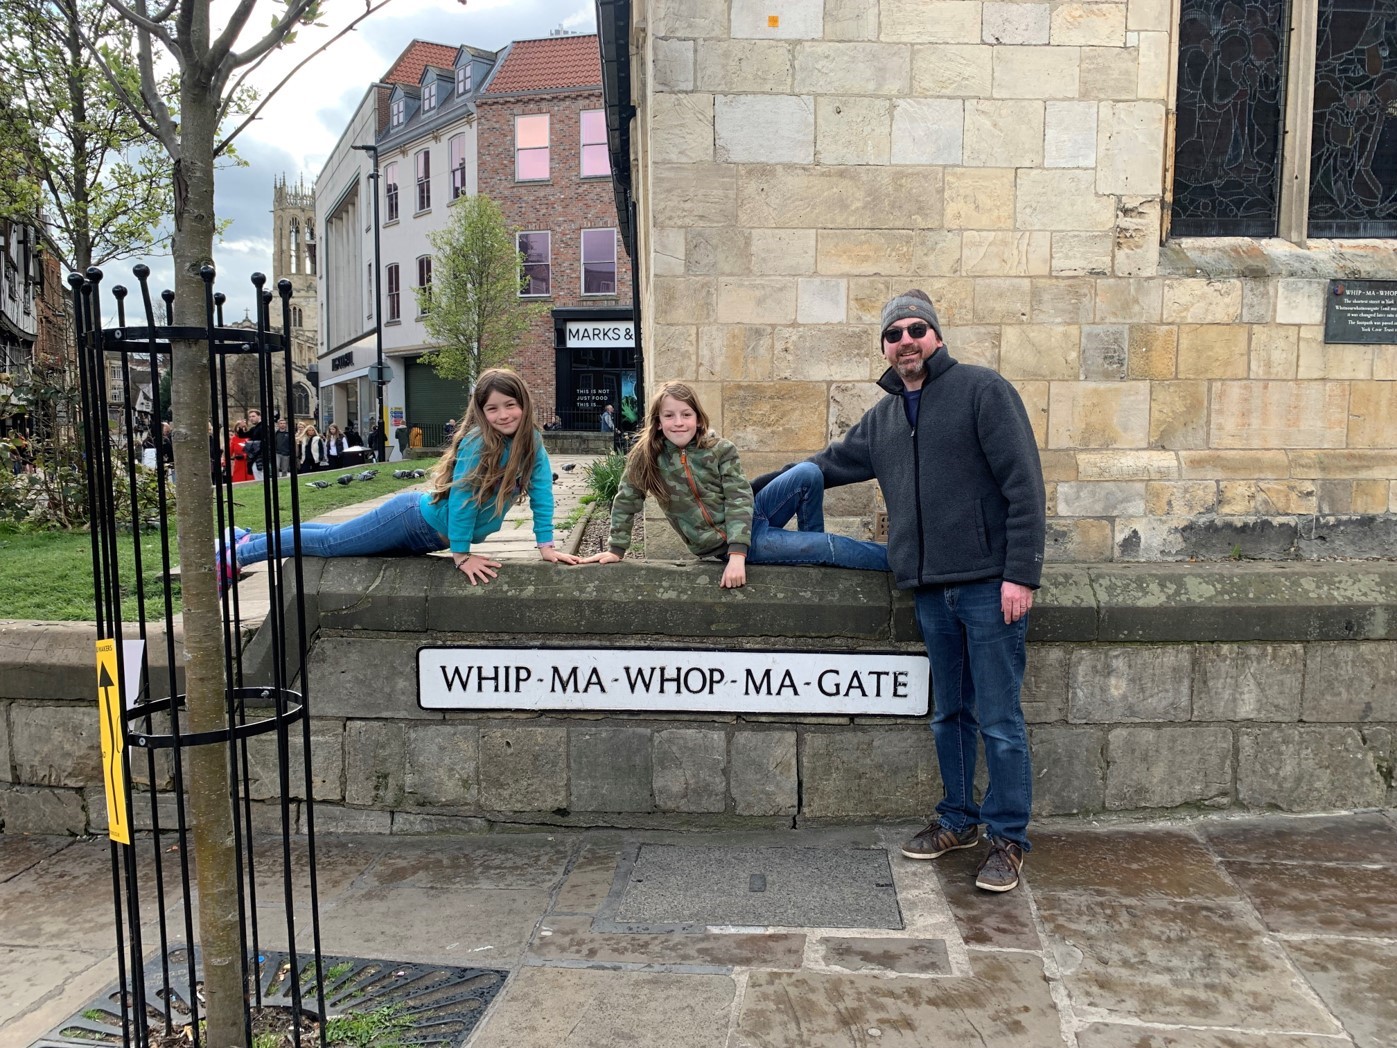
{"x": 294, "y": 257}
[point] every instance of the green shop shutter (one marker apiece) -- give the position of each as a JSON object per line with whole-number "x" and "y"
{"x": 431, "y": 400}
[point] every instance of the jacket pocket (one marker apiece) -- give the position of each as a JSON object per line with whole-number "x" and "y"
{"x": 981, "y": 532}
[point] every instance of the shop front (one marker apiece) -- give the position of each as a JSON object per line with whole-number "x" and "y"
{"x": 596, "y": 366}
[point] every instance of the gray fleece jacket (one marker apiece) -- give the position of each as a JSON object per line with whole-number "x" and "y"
{"x": 964, "y": 489}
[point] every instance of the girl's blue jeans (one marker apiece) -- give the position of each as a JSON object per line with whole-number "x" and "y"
{"x": 977, "y": 668}
{"x": 800, "y": 492}
{"x": 397, "y": 526}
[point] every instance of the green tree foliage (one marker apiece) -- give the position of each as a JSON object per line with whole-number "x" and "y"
{"x": 474, "y": 314}
{"x": 75, "y": 156}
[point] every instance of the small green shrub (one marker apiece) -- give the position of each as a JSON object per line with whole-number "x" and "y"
{"x": 604, "y": 477}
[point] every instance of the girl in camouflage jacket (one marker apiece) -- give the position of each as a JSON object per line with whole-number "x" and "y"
{"x": 697, "y": 478}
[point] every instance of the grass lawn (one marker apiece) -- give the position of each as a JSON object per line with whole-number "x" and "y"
{"x": 47, "y": 575}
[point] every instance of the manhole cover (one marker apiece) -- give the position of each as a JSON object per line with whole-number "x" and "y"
{"x": 672, "y": 888}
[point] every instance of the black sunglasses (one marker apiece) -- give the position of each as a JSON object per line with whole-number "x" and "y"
{"x": 892, "y": 336}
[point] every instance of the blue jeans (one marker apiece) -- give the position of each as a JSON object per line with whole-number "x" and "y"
{"x": 397, "y": 526}
{"x": 977, "y": 668}
{"x": 800, "y": 492}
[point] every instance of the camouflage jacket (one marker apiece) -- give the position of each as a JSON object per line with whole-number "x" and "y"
{"x": 722, "y": 523}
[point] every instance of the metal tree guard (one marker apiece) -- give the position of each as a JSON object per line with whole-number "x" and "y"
{"x": 142, "y": 706}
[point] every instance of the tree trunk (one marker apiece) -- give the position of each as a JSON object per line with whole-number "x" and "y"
{"x": 214, "y": 853}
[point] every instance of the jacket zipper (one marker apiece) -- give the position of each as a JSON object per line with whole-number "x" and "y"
{"x": 917, "y": 494}
{"x": 684, "y": 461}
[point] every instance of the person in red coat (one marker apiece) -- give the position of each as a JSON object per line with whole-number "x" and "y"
{"x": 237, "y": 454}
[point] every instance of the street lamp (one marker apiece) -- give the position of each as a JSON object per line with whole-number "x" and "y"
{"x": 372, "y": 150}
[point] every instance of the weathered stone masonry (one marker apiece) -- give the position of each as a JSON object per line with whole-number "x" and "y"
{"x": 1153, "y": 689}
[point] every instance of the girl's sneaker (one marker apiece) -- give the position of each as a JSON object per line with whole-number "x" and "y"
{"x": 226, "y": 557}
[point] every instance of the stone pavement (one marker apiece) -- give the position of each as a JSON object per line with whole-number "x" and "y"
{"x": 1265, "y": 932}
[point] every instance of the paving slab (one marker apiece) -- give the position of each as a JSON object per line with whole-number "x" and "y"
{"x": 889, "y": 954}
{"x": 1315, "y": 899}
{"x": 1189, "y": 962}
{"x": 467, "y": 862}
{"x": 18, "y": 852}
{"x": 1357, "y": 980}
{"x": 29, "y": 974}
{"x": 589, "y": 880}
{"x": 1006, "y": 1003}
{"x": 1364, "y": 838}
{"x": 572, "y": 940}
{"x": 1003, "y": 921}
{"x": 581, "y": 1008}
{"x": 1126, "y": 863}
{"x": 1110, "y": 1035}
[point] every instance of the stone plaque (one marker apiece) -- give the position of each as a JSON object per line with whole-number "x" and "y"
{"x": 1361, "y": 311}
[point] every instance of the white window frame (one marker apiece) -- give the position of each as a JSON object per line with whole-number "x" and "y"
{"x": 391, "y": 192}
{"x": 582, "y": 144}
{"x": 393, "y": 287}
{"x": 520, "y": 248}
{"x": 463, "y": 79}
{"x": 457, "y": 166}
{"x": 548, "y": 149}
{"x": 397, "y": 112}
{"x": 429, "y": 96}
{"x": 424, "y": 261}
{"x": 422, "y": 161}
{"x": 582, "y": 260}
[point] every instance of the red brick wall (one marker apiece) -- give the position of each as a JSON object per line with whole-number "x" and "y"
{"x": 564, "y": 205}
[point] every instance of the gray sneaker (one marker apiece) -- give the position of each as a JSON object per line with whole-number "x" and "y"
{"x": 1000, "y": 870}
{"x": 936, "y": 840}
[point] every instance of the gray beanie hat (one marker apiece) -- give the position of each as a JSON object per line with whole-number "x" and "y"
{"x": 913, "y": 303}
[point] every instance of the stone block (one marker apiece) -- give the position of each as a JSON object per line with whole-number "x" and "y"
{"x": 1152, "y": 351}
{"x": 764, "y": 129}
{"x": 1300, "y": 301}
{"x": 1046, "y": 351}
{"x": 1200, "y": 301}
{"x": 1014, "y": 23}
{"x": 833, "y": 68}
{"x": 1232, "y": 465}
{"x": 851, "y": 19}
{"x": 974, "y": 344}
{"x": 685, "y": 300}
{"x": 1069, "y": 134}
{"x": 1099, "y": 415}
{"x": 375, "y": 756}
{"x": 1082, "y": 254}
{"x": 1069, "y": 769}
{"x": 755, "y": 300}
{"x": 365, "y": 676}
{"x": 1317, "y": 359}
{"x": 928, "y": 131}
{"x": 611, "y": 769}
{"x": 930, "y": 21}
{"x": 936, "y": 252}
{"x": 442, "y": 766}
{"x": 371, "y": 593}
{"x": 744, "y": 66}
{"x": 778, "y": 252}
{"x": 952, "y": 70}
{"x": 1044, "y": 692}
{"x": 667, "y": 252}
{"x": 1062, "y": 301}
{"x": 985, "y": 253}
{"x": 1274, "y": 351}
{"x": 1059, "y": 199}
{"x": 673, "y": 349}
{"x": 1035, "y": 402}
{"x": 42, "y": 809}
{"x": 1154, "y": 49}
{"x": 1372, "y": 415}
{"x": 799, "y": 20}
{"x": 1088, "y": 24}
{"x": 1213, "y": 351}
{"x": 684, "y": 195}
{"x": 690, "y": 770}
{"x": 834, "y": 352}
{"x": 1350, "y": 682}
{"x": 56, "y": 745}
{"x": 1165, "y": 767}
{"x": 716, "y": 252}
{"x": 330, "y": 818}
{"x": 839, "y": 197}
{"x": 1104, "y": 352}
{"x": 855, "y": 252}
{"x": 1035, "y": 72}
{"x": 979, "y": 198}
{"x": 1148, "y": 15}
{"x": 1058, "y": 465}
{"x": 822, "y": 300}
{"x": 1277, "y": 414}
{"x": 867, "y": 298}
{"x": 1128, "y": 301}
{"x": 674, "y": 65}
{"x": 762, "y": 772}
{"x": 1002, "y": 300}
{"x": 1138, "y": 233}
{"x": 1127, "y": 465}
{"x": 418, "y": 824}
{"x": 1240, "y": 498}
{"x": 881, "y": 773}
{"x": 1248, "y": 682}
{"x": 1079, "y": 540}
{"x": 682, "y": 128}
{"x": 689, "y": 18}
{"x": 1369, "y": 496}
{"x": 1101, "y": 498}
{"x": 524, "y": 768}
{"x": 777, "y": 416}
{"x": 1301, "y": 768}
{"x": 1373, "y": 465}
{"x": 6, "y": 768}
{"x": 1130, "y": 683}
{"x": 1180, "y": 498}
{"x": 326, "y": 762}
{"x": 1005, "y": 133}
{"x": 850, "y": 130}
{"x": 1109, "y": 73}
{"x": 743, "y": 351}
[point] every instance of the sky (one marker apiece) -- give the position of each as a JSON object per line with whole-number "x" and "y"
{"x": 296, "y": 131}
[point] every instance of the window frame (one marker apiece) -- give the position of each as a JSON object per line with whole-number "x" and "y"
{"x": 583, "y": 144}
{"x": 390, "y": 192}
{"x": 615, "y": 262}
{"x": 546, "y": 149}
{"x": 397, "y": 112}
{"x": 457, "y": 165}
{"x": 429, "y": 95}
{"x": 392, "y": 286}
{"x": 463, "y": 79}
{"x": 524, "y": 263}
{"x": 423, "y": 308}
{"x": 422, "y": 170}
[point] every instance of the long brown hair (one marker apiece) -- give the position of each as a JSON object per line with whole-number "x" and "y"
{"x": 643, "y": 463}
{"x": 492, "y": 478}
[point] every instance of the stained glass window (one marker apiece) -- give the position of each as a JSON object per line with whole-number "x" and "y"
{"x": 1353, "y": 154}
{"x": 1227, "y": 140}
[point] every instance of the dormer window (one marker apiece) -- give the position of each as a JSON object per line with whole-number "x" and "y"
{"x": 429, "y": 96}
{"x": 463, "y": 80}
{"x": 397, "y": 112}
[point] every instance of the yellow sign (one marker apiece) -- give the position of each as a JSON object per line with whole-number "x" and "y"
{"x": 112, "y": 709}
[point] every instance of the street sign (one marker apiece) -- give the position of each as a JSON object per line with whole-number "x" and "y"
{"x": 112, "y": 711}
{"x": 380, "y": 374}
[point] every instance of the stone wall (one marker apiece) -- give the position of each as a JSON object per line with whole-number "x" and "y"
{"x": 796, "y": 169}
{"x": 1150, "y": 690}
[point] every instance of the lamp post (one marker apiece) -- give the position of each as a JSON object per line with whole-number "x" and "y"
{"x": 372, "y": 150}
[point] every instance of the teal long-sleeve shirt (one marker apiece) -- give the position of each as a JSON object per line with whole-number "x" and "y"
{"x": 464, "y": 521}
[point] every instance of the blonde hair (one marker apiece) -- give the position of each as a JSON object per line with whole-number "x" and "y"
{"x": 643, "y": 463}
{"x": 492, "y": 478}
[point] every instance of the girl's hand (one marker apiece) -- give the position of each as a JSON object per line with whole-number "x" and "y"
{"x": 735, "y": 574}
{"x": 476, "y": 567}
{"x": 605, "y": 557}
{"x": 554, "y": 556}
